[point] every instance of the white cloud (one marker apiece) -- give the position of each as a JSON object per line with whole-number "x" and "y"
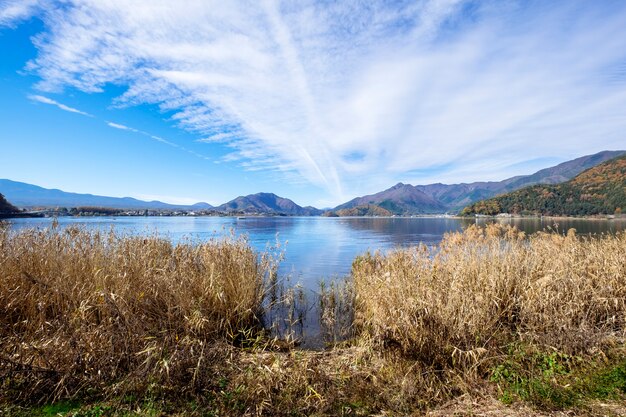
{"x": 219, "y": 137}
{"x": 13, "y": 11}
{"x": 452, "y": 90}
{"x": 121, "y": 127}
{"x": 46, "y": 100}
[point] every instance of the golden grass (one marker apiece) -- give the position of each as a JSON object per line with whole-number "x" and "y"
{"x": 88, "y": 313}
{"x": 490, "y": 286}
{"x": 81, "y": 309}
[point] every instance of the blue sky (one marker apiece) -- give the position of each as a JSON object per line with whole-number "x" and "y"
{"x": 316, "y": 101}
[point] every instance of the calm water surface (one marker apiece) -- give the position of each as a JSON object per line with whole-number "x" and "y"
{"x": 315, "y": 248}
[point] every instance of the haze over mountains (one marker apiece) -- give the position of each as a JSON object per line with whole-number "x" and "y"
{"x": 401, "y": 199}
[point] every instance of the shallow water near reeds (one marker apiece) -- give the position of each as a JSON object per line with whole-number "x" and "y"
{"x": 315, "y": 249}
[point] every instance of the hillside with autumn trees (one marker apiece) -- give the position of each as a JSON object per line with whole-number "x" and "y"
{"x": 598, "y": 190}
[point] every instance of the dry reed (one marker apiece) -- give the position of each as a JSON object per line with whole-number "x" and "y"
{"x": 81, "y": 310}
{"x": 87, "y": 312}
{"x": 489, "y": 286}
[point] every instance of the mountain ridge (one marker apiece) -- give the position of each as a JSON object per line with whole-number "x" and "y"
{"x": 267, "y": 203}
{"x": 31, "y": 196}
{"x": 597, "y": 190}
{"x": 28, "y": 196}
{"x": 400, "y": 199}
{"x": 440, "y": 198}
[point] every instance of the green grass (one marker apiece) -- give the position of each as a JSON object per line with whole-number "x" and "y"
{"x": 608, "y": 382}
{"x": 555, "y": 380}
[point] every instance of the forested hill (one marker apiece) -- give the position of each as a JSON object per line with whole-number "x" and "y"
{"x": 6, "y": 207}
{"x": 598, "y": 190}
{"x": 267, "y": 203}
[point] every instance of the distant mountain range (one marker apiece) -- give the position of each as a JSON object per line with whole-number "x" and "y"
{"x": 31, "y": 196}
{"x": 405, "y": 199}
{"x": 26, "y": 195}
{"x": 598, "y": 190}
{"x": 401, "y": 199}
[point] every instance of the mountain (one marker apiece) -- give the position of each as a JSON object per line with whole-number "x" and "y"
{"x": 457, "y": 196}
{"x": 200, "y": 206}
{"x": 27, "y": 195}
{"x": 598, "y": 190}
{"x": 363, "y": 210}
{"x": 563, "y": 172}
{"x": 267, "y": 203}
{"x": 403, "y": 199}
{"x": 6, "y": 208}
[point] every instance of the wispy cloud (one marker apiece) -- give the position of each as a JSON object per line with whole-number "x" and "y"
{"x": 157, "y": 138}
{"x": 46, "y": 100}
{"x": 409, "y": 87}
{"x": 121, "y": 127}
{"x": 13, "y": 11}
{"x": 219, "y": 137}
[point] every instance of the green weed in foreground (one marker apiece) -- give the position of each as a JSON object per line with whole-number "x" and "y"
{"x": 555, "y": 380}
{"x": 59, "y": 408}
{"x": 609, "y": 382}
{"x": 534, "y": 377}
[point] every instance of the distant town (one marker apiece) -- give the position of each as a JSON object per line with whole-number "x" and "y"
{"x": 105, "y": 211}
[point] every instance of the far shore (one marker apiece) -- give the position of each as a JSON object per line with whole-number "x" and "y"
{"x": 156, "y": 213}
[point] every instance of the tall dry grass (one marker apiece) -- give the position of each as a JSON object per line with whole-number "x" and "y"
{"x": 87, "y": 312}
{"x": 81, "y": 310}
{"x": 489, "y": 286}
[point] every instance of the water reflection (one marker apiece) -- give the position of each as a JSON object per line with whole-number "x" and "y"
{"x": 400, "y": 231}
{"x": 582, "y": 226}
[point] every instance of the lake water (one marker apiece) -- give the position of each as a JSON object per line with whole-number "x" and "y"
{"x": 315, "y": 248}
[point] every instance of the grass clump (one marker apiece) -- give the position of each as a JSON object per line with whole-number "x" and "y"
{"x": 491, "y": 304}
{"x": 488, "y": 287}
{"x": 85, "y": 312}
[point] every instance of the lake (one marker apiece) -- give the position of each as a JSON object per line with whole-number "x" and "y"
{"x": 315, "y": 248}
